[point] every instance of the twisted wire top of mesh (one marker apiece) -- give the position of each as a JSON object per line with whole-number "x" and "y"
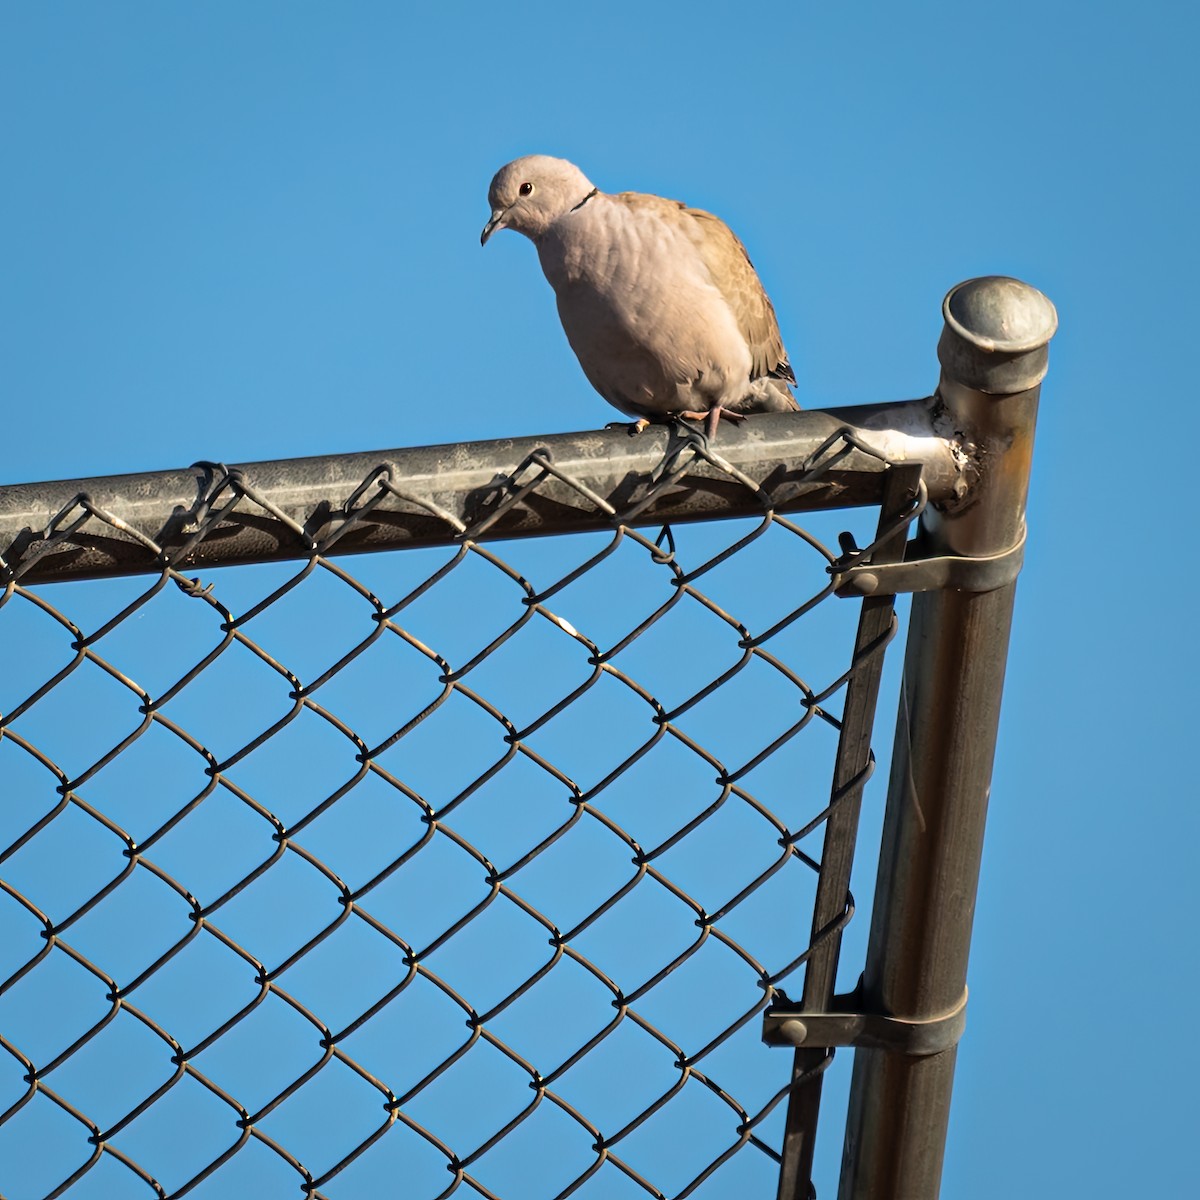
{"x": 468, "y": 868}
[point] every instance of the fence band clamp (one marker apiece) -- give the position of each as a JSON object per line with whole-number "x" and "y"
{"x": 812, "y": 1030}
{"x": 918, "y": 574}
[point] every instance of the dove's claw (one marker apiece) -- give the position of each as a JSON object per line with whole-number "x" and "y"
{"x": 633, "y": 428}
{"x": 712, "y": 418}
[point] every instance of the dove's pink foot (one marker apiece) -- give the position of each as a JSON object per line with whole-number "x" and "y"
{"x": 712, "y": 418}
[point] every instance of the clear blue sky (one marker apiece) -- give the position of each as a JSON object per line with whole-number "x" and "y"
{"x": 249, "y": 230}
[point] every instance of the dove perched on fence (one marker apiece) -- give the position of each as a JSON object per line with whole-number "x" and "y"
{"x": 660, "y": 302}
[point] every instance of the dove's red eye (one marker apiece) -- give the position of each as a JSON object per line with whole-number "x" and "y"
{"x": 526, "y": 189}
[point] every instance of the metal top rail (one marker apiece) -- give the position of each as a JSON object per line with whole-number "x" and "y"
{"x": 429, "y": 495}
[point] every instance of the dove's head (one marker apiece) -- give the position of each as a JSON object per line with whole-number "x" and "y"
{"x": 531, "y": 193}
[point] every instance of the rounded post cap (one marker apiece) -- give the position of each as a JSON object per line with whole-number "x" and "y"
{"x": 996, "y": 334}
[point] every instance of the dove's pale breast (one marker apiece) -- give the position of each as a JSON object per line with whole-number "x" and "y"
{"x": 625, "y": 270}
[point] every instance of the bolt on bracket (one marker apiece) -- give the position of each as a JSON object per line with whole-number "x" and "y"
{"x": 844, "y": 1026}
{"x": 918, "y": 574}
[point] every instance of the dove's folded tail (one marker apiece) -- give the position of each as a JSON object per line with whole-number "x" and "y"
{"x": 767, "y": 395}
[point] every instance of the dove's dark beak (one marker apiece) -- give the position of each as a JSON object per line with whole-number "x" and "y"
{"x": 497, "y": 222}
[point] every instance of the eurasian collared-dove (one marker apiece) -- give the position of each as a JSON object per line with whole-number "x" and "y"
{"x": 660, "y": 302}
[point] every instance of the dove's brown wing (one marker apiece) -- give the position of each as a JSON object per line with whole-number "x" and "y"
{"x": 734, "y": 275}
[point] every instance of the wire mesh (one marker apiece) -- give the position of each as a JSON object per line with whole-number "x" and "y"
{"x": 469, "y": 870}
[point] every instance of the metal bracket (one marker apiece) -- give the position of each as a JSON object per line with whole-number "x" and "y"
{"x": 787, "y": 1026}
{"x": 917, "y": 574}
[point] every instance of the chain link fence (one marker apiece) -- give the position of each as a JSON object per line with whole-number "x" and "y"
{"x": 483, "y": 866}
{"x": 471, "y": 867}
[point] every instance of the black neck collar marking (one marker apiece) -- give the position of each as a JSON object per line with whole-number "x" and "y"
{"x": 585, "y": 199}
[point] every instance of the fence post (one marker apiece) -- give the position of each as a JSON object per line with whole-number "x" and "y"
{"x": 993, "y": 352}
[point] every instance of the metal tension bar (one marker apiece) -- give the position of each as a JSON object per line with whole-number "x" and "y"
{"x": 844, "y": 1025}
